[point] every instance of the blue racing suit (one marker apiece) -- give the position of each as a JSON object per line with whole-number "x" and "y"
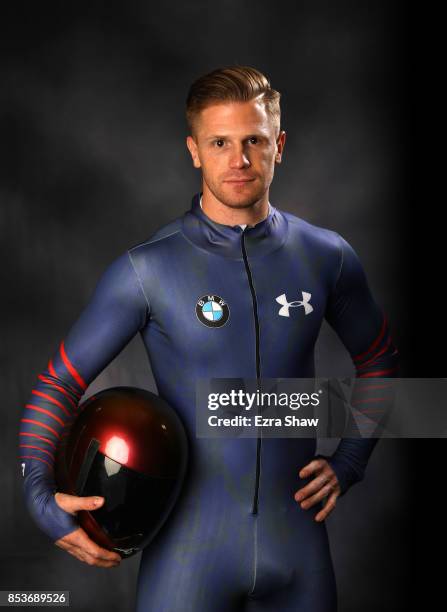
{"x": 206, "y": 298}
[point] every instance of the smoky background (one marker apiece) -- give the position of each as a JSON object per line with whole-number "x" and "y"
{"x": 94, "y": 161}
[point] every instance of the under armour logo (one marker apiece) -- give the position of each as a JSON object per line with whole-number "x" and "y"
{"x": 285, "y": 305}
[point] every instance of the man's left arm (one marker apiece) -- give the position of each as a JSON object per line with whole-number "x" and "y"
{"x": 363, "y": 328}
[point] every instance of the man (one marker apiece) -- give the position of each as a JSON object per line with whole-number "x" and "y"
{"x": 202, "y": 292}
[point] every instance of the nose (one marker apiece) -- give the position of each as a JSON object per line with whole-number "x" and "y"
{"x": 238, "y": 158}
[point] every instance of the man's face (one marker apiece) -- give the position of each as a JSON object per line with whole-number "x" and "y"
{"x": 236, "y": 146}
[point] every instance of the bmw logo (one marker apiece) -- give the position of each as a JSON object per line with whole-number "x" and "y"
{"x": 212, "y": 311}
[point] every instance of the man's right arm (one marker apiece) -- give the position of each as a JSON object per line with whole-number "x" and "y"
{"x": 117, "y": 310}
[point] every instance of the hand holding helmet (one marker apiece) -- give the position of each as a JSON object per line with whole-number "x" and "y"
{"x": 77, "y": 543}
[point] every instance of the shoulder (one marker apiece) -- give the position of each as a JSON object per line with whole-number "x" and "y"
{"x": 164, "y": 233}
{"x": 157, "y": 246}
{"x": 314, "y": 237}
{"x": 124, "y": 269}
{"x": 328, "y": 244}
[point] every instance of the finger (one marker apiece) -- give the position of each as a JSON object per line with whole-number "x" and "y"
{"x": 87, "y": 558}
{"x": 90, "y": 560}
{"x": 79, "y": 539}
{"x": 73, "y": 503}
{"x": 73, "y": 550}
{"x": 98, "y": 562}
{"x": 313, "y": 486}
{"x": 93, "y": 549}
{"x": 314, "y": 466}
{"x": 328, "y": 507}
{"x": 102, "y": 554}
{"x": 63, "y": 545}
{"x": 318, "y": 496}
{"x": 60, "y": 499}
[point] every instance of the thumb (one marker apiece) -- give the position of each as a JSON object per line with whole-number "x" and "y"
{"x": 73, "y": 503}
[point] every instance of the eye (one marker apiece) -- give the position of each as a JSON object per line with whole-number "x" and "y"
{"x": 253, "y": 140}
{"x": 219, "y": 142}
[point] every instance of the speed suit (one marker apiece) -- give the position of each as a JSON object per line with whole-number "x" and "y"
{"x": 203, "y": 297}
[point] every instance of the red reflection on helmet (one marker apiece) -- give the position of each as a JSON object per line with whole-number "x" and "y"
{"x": 117, "y": 449}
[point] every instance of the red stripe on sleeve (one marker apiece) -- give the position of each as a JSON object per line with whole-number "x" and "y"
{"x": 51, "y": 369}
{"x": 45, "y": 411}
{"x": 385, "y": 386}
{"x": 71, "y": 368}
{"x": 374, "y": 344}
{"x": 37, "y": 458}
{"x": 38, "y": 448}
{"x": 52, "y": 400}
{"x": 59, "y": 388}
{"x": 377, "y": 355}
{"x": 25, "y": 433}
{"x": 378, "y": 373}
{"x": 41, "y": 425}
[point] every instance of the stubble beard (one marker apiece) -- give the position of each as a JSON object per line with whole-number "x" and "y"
{"x": 239, "y": 201}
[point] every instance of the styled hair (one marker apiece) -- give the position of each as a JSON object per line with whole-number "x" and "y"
{"x": 231, "y": 84}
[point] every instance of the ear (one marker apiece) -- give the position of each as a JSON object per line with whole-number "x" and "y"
{"x": 192, "y": 146}
{"x": 280, "y": 142}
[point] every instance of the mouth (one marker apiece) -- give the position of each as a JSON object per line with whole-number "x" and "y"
{"x": 239, "y": 181}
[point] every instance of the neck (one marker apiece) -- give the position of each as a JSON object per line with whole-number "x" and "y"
{"x": 227, "y": 215}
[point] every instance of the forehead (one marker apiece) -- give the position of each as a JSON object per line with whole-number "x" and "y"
{"x": 235, "y": 118}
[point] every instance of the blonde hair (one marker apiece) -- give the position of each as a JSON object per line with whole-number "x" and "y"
{"x": 231, "y": 84}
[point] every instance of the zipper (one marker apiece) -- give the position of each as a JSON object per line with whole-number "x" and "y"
{"x": 258, "y": 367}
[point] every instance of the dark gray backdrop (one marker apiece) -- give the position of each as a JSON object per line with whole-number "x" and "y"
{"x": 94, "y": 161}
